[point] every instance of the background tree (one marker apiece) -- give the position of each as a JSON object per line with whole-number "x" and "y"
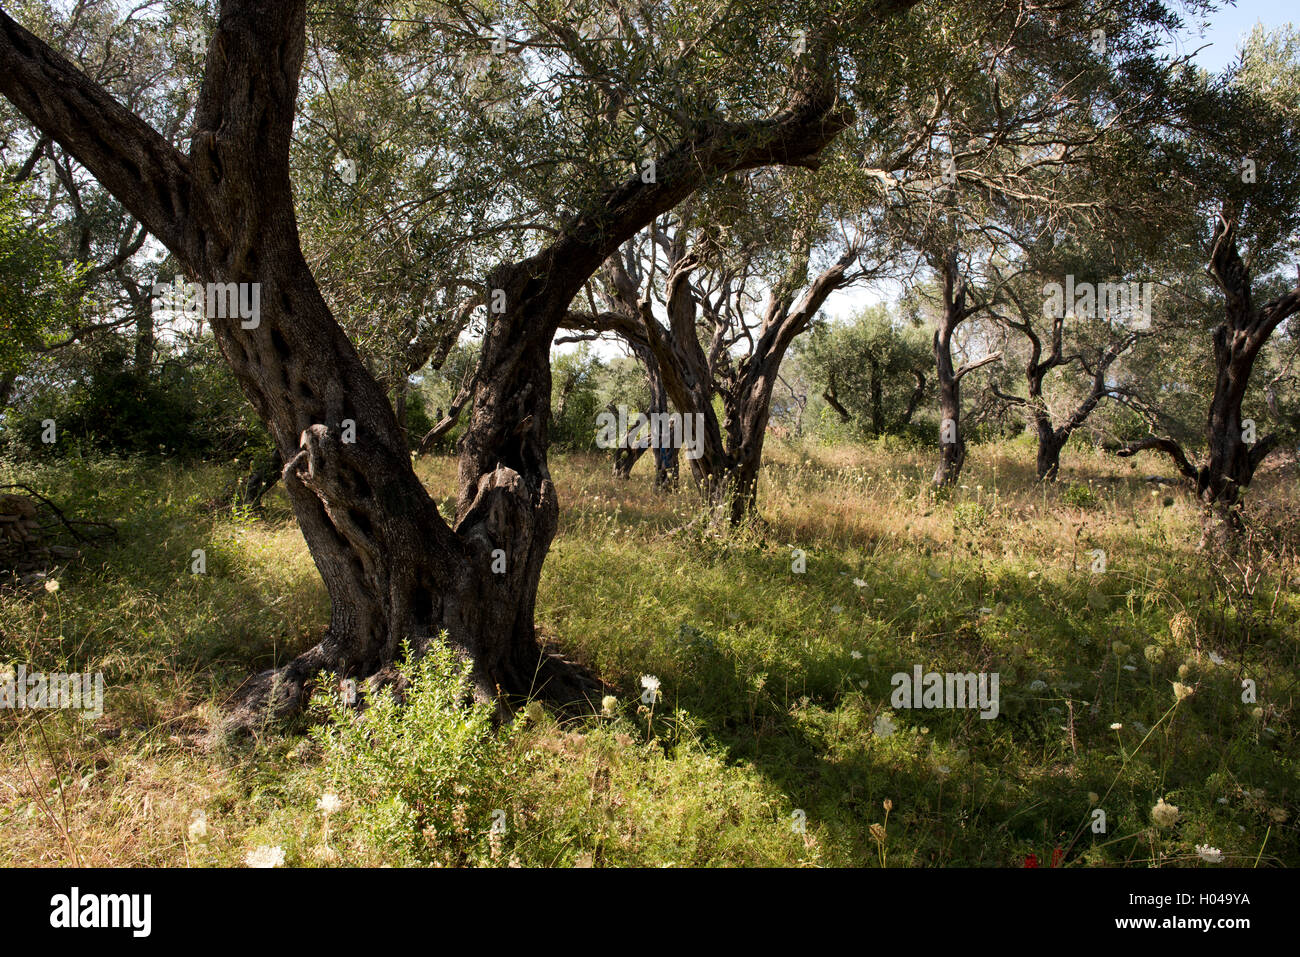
{"x": 39, "y": 292}
{"x": 871, "y": 370}
{"x": 1252, "y": 112}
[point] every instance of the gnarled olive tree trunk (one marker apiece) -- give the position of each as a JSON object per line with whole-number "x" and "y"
{"x": 1232, "y": 457}
{"x": 729, "y": 453}
{"x": 394, "y": 568}
{"x": 1051, "y": 436}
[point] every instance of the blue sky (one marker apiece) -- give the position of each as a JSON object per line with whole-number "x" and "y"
{"x": 1228, "y": 26}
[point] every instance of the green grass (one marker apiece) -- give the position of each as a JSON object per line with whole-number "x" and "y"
{"x": 772, "y": 682}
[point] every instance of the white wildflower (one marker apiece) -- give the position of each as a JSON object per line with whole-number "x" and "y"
{"x": 1165, "y": 815}
{"x": 329, "y": 803}
{"x": 263, "y": 856}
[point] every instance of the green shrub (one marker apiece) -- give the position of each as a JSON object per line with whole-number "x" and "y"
{"x": 416, "y": 779}
{"x": 188, "y": 406}
{"x": 1080, "y": 496}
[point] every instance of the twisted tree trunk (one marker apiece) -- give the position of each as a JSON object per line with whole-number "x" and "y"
{"x": 1233, "y": 452}
{"x": 394, "y": 569}
{"x": 1052, "y": 437}
{"x": 729, "y": 454}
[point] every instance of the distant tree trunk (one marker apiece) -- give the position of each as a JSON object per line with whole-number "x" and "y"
{"x": 913, "y": 400}
{"x": 730, "y": 452}
{"x": 627, "y": 454}
{"x": 832, "y": 397}
{"x": 952, "y": 444}
{"x": 261, "y": 478}
{"x": 144, "y": 338}
{"x": 877, "y": 399}
{"x": 1051, "y": 437}
{"x": 665, "y": 441}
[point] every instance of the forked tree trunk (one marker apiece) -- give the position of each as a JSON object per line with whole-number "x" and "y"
{"x": 1052, "y": 437}
{"x": 395, "y": 572}
{"x": 1231, "y": 458}
{"x": 913, "y": 400}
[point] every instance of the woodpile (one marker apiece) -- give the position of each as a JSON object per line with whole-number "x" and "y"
{"x": 28, "y": 549}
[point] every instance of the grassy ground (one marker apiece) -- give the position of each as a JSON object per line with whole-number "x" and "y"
{"x": 772, "y": 741}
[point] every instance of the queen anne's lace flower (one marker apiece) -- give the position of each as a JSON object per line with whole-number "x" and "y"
{"x": 263, "y": 856}
{"x": 329, "y": 803}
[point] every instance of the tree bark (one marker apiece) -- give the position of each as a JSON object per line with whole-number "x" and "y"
{"x": 1231, "y": 460}
{"x": 394, "y": 569}
{"x": 952, "y": 444}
